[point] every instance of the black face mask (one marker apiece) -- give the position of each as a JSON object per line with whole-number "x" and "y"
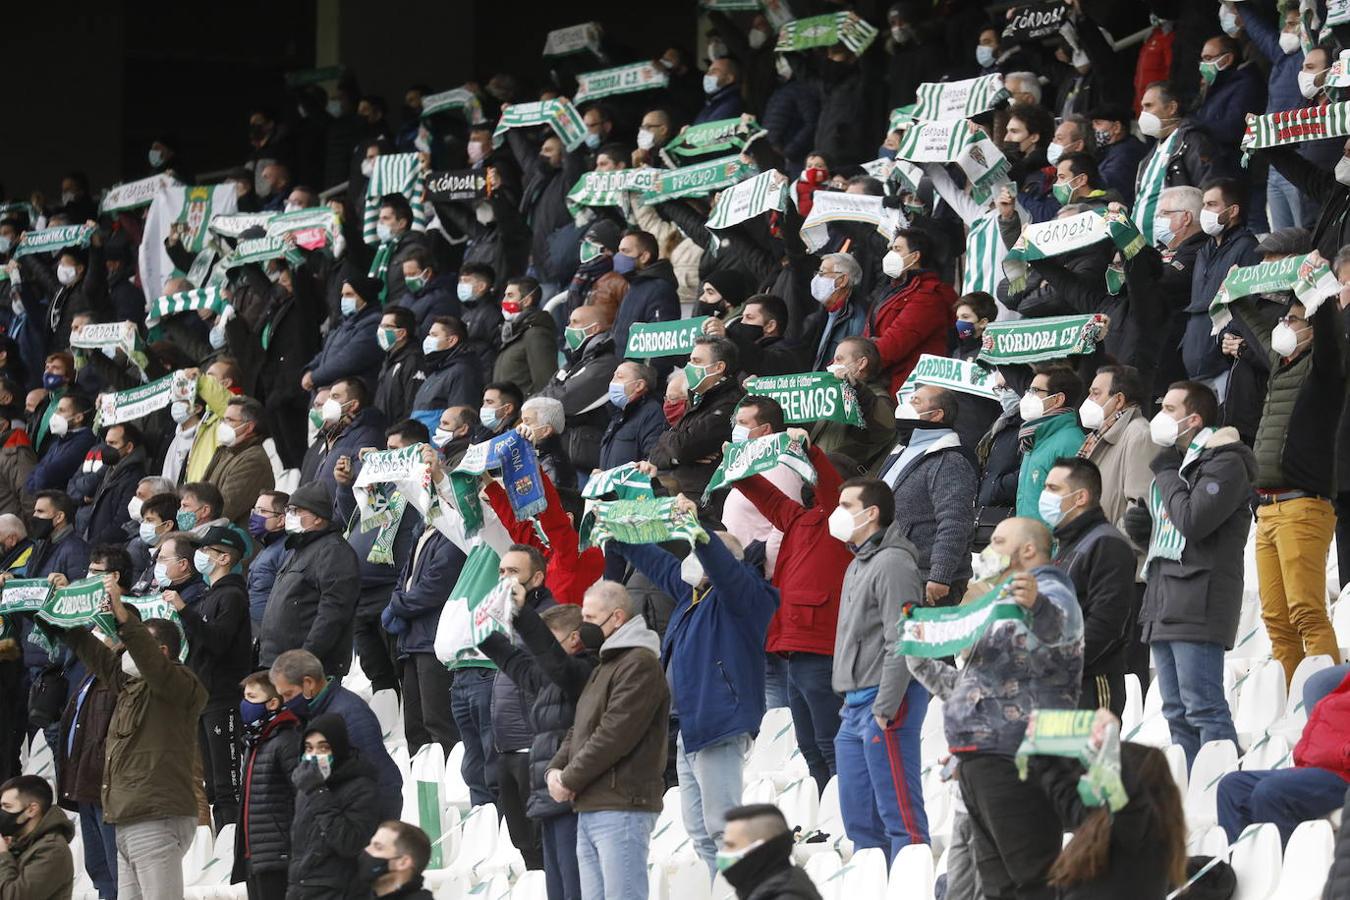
{"x": 40, "y": 529}
{"x": 709, "y": 309}
{"x": 750, "y": 334}
{"x": 373, "y": 867}
{"x": 592, "y": 636}
{"x": 9, "y": 823}
{"x": 1012, "y": 150}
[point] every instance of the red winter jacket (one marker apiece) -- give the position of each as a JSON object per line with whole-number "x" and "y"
{"x": 911, "y": 321}
{"x": 1155, "y": 62}
{"x": 1326, "y": 738}
{"x": 809, "y": 573}
{"x": 569, "y": 573}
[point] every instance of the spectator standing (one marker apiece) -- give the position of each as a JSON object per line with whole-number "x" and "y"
{"x": 267, "y": 526}
{"x": 1049, "y": 431}
{"x": 240, "y": 468}
{"x": 271, "y": 743}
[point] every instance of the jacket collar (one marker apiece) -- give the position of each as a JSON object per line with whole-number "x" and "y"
{"x": 1116, "y": 432}
{"x": 1070, "y": 532}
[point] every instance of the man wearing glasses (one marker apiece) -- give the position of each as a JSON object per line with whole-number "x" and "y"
{"x": 267, "y": 526}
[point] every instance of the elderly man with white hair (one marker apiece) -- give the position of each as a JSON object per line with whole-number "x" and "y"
{"x": 542, "y": 423}
{"x": 1025, "y": 87}
{"x": 15, "y": 547}
{"x": 714, "y": 659}
{"x": 838, "y": 287}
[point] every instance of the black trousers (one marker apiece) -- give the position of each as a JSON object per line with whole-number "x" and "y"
{"x": 1103, "y": 690}
{"x": 374, "y": 648}
{"x": 426, "y": 703}
{"x": 218, "y": 732}
{"x": 267, "y": 885}
{"x": 1343, "y": 535}
{"x": 1136, "y": 651}
{"x": 513, "y": 792}
{"x": 1017, "y": 833}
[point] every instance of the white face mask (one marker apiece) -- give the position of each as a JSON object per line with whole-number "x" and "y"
{"x": 1031, "y": 407}
{"x": 484, "y": 214}
{"x": 441, "y": 438}
{"x": 1164, "y": 430}
{"x": 1343, "y": 170}
{"x": 431, "y": 344}
{"x": 1149, "y": 124}
{"x": 293, "y": 525}
{"x": 134, "y": 508}
{"x": 739, "y": 434}
{"x": 822, "y": 287}
{"x": 646, "y": 140}
{"x": 838, "y": 370}
{"x": 1289, "y": 42}
{"x": 129, "y": 666}
{"x": 1054, "y": 152}
{"x": 226, "y": 435}
{"x": 58, "y": 425}
{"x": 180, "y": 411}
{"x": 710, "y": 85}
{"x": 367, "y": 166}
{"x": 1209, "y": 223}
{"x": 841, "y": 525}
{"x": 384, "y": 233}
{"x": 989, "y": 564}
{"x": 905, "y": 412}
{"x": 1091, "y": 415}
{"x": 893, "y": 264}
{"x": 691, "y": 570}
{"x": 757, "y": 38}
{"x": 65, "y": 274}
{"x": 1284, "y": 340}
{"x": 332, "y": 410}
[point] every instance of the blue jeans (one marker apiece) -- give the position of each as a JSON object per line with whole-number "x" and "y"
{"x": 100, "y": 850}
{"x": 1284, "y": 202}
{"x": 561, "y": 877}
{"x": 1322, "y": 683}
{"x": 880, "y": 777}
{"x": 1286, "y": 797}
{"x": 1190, "y": 678}
{"x": 471, "y": 705}
{"x": 710, "y": 784}
{"x": 612, "y": 854}
{"x": 815, "y": 712}
{"x": 775, "y": 681}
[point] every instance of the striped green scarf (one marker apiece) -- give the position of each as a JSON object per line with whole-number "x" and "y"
{"x": 824, "y": 31}
{"x": 934, "y": 632}
{"x": 640, "y": 76}
{"x": 946, "y": 100}
{"x": 394, "y": 173}
{"x": 624, "y": 481}
{"x": 984, "y": 255}
{"x": 559, "y": 114}
{"x": 1166, "y": 541}
{"x": 1068, "y": 733}
{"x": 1294, "y": 126}
{"x": 1152, "y": 180}
{"x": 49, "y": 240}
{"x": 1312, "y": 283}
{"x": 765, "y": 192}
{"x": 1038, "y": 340}
{"x": 742, "y": 459}
{"x": 1059, "y": 236}
{"x": 209, "y": 298}
{"x": 642, "y": 521}
{"x": 957, "y": 141}
{"x": 698, "y": 180}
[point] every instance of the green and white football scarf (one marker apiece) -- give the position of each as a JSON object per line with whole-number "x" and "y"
{"x": 393, "y": 173}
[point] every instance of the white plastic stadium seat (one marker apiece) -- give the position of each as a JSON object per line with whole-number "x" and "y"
{"x": 1307, "y": 860}
{"x": 863, "y": 876}
{"x": 1133, "y": 713}
{"x": 1215, "y": 759}
{"x": 1211, "y": 841}
{"x": 1261, "y": 701}
{"x": 218, "y": 868}
{"x": 1340, "y": 620}
{"x": 1256, "y": 862}
{"x": 385, "y": 706}
{"x": 198, "y": 855}
{"x": 820, "y": 868}
{"x": 800, "y": 803}
{"x": 478, "y": 840}
{"x": 456, "y": 789}
{"x": 530, "y": 886}
{"x": 912, "y": 875}
{"x": 761, "y": 790}
{"x": 669, "y": 837}
{"x": 773, "y": 745}
{"x": 426, "y": 785}
{"x": 1176, "y": 761}
{"x": 830, "y": 821}
{"x": 689, "y": 881}
{"x": 1270, "y": 751}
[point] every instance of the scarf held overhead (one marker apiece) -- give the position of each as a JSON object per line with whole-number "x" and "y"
{"x": 742, "y": 459}
{"x": 1038, "y": 340}
{"x": 810, "y": 397}
{"x": 933, "y": 632}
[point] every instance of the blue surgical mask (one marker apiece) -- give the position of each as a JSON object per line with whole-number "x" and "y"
{"x": 148, "y": 534}
{"x": 349, "y": 306}
{"x": 464, "y": 291}
{"x": 162, "y": 574}
{"x": 5, "y": 244}
{"x": 884, "y": 152}
{"x": 431, "y": 344}
{"x": 201, "y": 561}
{"x": 623, "y": 263}
{"x": 1162, "y": 230}
{"x": 617, "y": 394}
{"x": 984, "y": 56}
{"x": 1050, "y": 507}
{"x": 592, "y": 140}
{"x": 488, "y": 416}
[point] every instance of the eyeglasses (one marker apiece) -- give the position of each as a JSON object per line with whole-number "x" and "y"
{"x": 1292, "y": 319}
{"x": 1040, "y": 391}
{"x": 266, "y": 513}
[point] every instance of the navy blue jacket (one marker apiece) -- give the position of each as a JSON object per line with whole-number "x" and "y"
{"x": 632, "y": 431}
{"x": 1118, "y": 164}
{"x": 367, "y": 736}
{"x": 414, "y": 608}
{"x": 438, "y": 298}
{"x": 1282, "y": 90}
{"x": 108, "y": 513}
{"x": 61, "y": 459}
{"x": 724, "y": 103}
{"x": 790, "y": 118}
{"x": 350, "y": 349}
{"x": 376, "y": 578}
{"x": 454, "y": 377}
{"x": 713, "y": 650}
{"x": 1200, "y": 349}
{"x": 1235, "y": 92}
{"x": 262, "y": 571}
{"x": 68, "y": 555}
{"x": 651, "y": 297}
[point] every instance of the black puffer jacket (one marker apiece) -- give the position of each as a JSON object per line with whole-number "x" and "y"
{"x": 220, "y": 638}
{"x": 333, "y": 823}
{"x": 582, "y": 386}
{"x": 454, "y": 377}
{"x": 314, "y": 600}
{"x": 698, "y": 436}
{"x": 401, "y": 377}
{"x": 262, "y": 842}
{"x": 511, "y": 701}
{"x": 556, "y": 680}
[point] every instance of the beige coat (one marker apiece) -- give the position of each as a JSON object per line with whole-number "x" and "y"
{"x": 1123, "y": 455}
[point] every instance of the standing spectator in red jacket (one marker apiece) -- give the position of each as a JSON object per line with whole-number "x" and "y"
{"x": 912, "y": 313}
{"x": 570, "y": 570}
{"x": 809, "y": 576}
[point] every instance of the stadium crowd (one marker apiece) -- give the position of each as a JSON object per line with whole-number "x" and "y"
{"x": 889, "y": 365}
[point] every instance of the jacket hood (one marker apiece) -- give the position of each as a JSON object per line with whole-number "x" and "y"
{"x": 53, "y": 821}
{"x": 661, "y": 269}
{"x": 1227, "y": 440}
{"x": 535, "y": 318}
{"x": 891, "y": 537}
{"x": 633, "y": 633}
{"x": 332, "y": 727}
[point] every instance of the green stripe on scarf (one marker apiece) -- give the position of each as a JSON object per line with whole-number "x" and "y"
{"x": 625, "y": 482}
{"x": 1295, "y": 126}
{"x": 51, "y": 239}
{"x": 642, "y": 521}
{"x": 720, "y": 136}
{"x": 826, "y": 31}
{"x": 1166, "y": 541}
{"x": 1038, "y": 340}
{"x": 943, "y": 101}
{"x": 1311, "y": 280}
{"x": 652, "y": 339}
{"x": 766, "y": 192}
{"x": 1068, "y": 733}
{"x": 209, "y": 298}
{"x": 559, "y": 114}
{"x": 756, "y": 456}
{"x": 934, "y": 632}
{"x": 629, "y": 79}
{"x": 1056, "y": 237}
{"x": 393, "y": 173}
{"x": 1152, "y": 180}
{"x": 809, "y": 397}
{"x": 698, "y": 180}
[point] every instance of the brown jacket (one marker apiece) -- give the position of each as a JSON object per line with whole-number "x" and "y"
{"x": 607, "y": 293}
{"x": 39, "y": 866}
{"x": 1123, "y": 455}
{"x": 152, "y": 739}
{"x": 615, "y": 755}
{"x": 80, "y": 773}
{"x": 17, "y": 461}
{"x": 240, "y": 473}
